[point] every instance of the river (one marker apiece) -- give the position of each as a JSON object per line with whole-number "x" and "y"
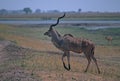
{"x": 53, "y": 21}
{"x": 91, "y": 25}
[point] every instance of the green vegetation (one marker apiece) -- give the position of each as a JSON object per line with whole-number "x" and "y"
{"x": 41, "y": 61}
{"x": 97, "y": 36}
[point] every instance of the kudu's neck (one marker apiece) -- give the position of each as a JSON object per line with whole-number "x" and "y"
{"x": 56, "y": 38}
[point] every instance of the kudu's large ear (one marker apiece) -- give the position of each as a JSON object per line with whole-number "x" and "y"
{"x": 57, "y": 21}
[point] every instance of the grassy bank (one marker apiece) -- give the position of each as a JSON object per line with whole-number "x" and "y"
{"x": 39, "y": 60}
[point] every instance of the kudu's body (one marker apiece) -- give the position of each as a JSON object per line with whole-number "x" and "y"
{"x": 69, "y": 43}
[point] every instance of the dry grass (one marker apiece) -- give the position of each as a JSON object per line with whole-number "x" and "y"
{"x": 48, "y": 66}
{"x": 46, "y": 63}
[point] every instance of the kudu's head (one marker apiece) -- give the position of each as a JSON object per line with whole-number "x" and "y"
{"x": 51, "y": 30}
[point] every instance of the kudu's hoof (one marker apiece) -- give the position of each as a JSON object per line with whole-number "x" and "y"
{"x": 98, "y": 72}
{"x": 68, "y": 69}
{"x": 85, "y": 71}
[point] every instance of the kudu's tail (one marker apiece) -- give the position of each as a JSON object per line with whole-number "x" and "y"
{"x": 92, "y": 50}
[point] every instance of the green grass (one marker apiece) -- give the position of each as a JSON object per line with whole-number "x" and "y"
{"x": 97, "y": 36}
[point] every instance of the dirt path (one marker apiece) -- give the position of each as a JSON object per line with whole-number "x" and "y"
{"x": 3, "y": 44}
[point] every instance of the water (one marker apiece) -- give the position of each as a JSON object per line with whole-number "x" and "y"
{"x": 99, "y": 27}
{"x": 53, "y": 21}
{"x": 67, "y": 22}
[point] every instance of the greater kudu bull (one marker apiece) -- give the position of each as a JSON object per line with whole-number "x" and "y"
{"x": 69, "y": 43}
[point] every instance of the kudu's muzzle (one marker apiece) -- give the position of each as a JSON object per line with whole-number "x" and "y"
{"x": 46, "y": 33}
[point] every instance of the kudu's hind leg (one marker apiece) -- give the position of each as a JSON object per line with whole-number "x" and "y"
{"x": 94, "y": 59}
{"x": 89, "y": 60}
{"x": 68, "y": 59}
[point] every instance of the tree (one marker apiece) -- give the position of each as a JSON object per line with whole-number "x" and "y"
{"x": 79, "y": 10}
{"x": 53, "y": 11}
{"x": 37, "y": 11}
{"x": 3, "y": 11}
{"x": 27, "y": 10}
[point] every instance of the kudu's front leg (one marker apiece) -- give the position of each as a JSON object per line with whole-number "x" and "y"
{"x": 68, "y": 59}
